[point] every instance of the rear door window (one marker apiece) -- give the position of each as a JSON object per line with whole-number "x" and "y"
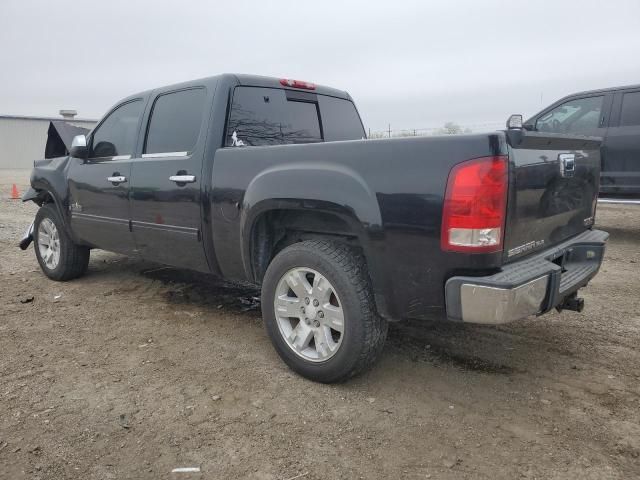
{"x": 117, "y": 134}
{"x": 265, "y": 116}
{"x": 340, "y": 119}
{"x": 580, "y": 115}
{"x": 175, "y": 122}
{"x": 630, "y": 114}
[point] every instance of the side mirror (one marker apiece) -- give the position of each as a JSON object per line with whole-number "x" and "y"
{"x": 514, "y": 121}
{"x": 79, "y": 147}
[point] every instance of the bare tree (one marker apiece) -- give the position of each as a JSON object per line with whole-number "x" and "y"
{"x": 450, "y": 128}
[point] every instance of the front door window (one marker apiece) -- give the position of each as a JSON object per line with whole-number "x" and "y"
{"x": 581, "y": 116}
{"x": 116, "y": 135}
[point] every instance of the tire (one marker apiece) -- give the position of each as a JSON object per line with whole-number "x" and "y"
{"x": 72, "y": 260}
{"x": 358, "y": 346}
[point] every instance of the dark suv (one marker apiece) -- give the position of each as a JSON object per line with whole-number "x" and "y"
{"x": 614, "y": 115}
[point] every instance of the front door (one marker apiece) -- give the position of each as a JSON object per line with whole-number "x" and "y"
{"x": 99, "y": 185}
{"x": 165, "y": 181}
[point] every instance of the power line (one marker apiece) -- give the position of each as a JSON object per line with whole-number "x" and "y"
{"x": 465, "y": 128}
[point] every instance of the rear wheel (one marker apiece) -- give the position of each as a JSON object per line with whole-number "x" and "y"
{"x": 59, "y": 258}
{"x": 319, "y": 312}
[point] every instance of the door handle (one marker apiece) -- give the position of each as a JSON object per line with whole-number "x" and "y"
{"x": 117, "y": 179}
{"x": 183, "y": 178}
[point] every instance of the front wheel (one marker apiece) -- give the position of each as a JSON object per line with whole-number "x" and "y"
{"x": 319, "y": 311}
{"x": 59, "y": 258}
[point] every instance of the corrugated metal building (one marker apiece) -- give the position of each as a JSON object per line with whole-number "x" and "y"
{"x": 23, "y": 139}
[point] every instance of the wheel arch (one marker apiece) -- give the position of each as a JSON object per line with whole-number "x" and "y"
{"x": 280, "y": 204}
{"x": 345, "y": 202}
{"x": 279, "y": 224}
{"x": 42, "y": 194}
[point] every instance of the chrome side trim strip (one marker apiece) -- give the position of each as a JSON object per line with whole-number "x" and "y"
{"x": 194, "y": 232}
{"x": 98, "y": 218}
{"x": 165, "y": 154}
{"x": 115, "y": 158}
{"x": 621, "y": 201}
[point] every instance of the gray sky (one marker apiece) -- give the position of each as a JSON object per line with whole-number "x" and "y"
{"x": 412, "y": 64}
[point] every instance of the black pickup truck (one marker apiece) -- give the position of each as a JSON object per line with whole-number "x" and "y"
{"x": 272, "y": 181}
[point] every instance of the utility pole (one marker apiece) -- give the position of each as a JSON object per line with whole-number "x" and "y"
{"x": 389, "y": 130}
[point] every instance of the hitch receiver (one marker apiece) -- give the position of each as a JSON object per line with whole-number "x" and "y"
{"x": 572, "y": 302}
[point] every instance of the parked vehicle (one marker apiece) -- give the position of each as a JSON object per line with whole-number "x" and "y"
{"x": 271, "y": 181}
{"x": 614, "y": 115}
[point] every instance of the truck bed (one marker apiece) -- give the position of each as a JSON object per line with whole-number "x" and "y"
{"x": 390, "y": 192}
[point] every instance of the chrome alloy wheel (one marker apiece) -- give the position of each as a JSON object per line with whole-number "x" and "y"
{"x": 49, "y": 243}
{"x": 309, "y": 314}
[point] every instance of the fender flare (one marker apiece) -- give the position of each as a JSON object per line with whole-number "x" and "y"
{"x": 42, "y": 188}
{"x": 347, "y": 196}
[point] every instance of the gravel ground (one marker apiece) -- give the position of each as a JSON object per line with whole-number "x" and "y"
{"x": 136, "y": 369}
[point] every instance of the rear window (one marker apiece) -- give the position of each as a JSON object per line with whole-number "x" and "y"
{"x": 175, "y": 122}
{"x": 630, "y": 114}
{"x": 264, "y": 116}
{"x": 340, "y": 119}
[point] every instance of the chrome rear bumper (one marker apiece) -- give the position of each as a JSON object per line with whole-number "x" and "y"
{"x": 528, "y": 287}
{"x": 491, "y": 305}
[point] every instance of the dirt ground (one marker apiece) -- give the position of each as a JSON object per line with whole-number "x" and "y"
{"x": 135, "y": 370}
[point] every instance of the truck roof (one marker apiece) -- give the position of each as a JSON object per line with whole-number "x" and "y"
{"x": 260, "y": 81}
{"x": 585, "y": 92}
{"x": 602, "y": 90}
{"x": 235, "y": 79}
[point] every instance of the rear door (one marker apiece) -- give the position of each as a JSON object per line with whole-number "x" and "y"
{"x": 621, "y": 152}
{"x": 99, "y": 185}
{"x": 166, "y": 179}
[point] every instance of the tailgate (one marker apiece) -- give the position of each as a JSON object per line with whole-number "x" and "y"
{"x": 553, "y": 190}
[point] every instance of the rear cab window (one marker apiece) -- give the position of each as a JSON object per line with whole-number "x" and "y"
{"x": 340, "y": 119}
{"x": 175, "y": 123}
{"x": 264, "y": 116}
{"x": 261, "y": 116}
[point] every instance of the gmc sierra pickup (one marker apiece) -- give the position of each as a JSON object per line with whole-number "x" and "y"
{"x": 272, "y": 181}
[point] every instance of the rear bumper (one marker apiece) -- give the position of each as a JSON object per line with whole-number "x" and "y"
{"x": 532, "y": 286}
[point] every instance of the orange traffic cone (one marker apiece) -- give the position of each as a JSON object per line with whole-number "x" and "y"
{"x": 15, "y": 195}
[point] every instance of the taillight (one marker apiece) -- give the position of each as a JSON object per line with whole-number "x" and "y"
{"x": 286, "y": 82}
{"x": 475, "y": 206}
